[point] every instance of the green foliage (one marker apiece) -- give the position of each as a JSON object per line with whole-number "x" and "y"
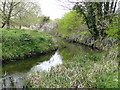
{"x": 42, "y": 20}
{"x": 70, "y": 22}
{"x": 18, "y": 43}
{"x": 88, "y": 71}
{"x": 114, "y": 28}
{"x": 84, "y": 33}
{"x": 27, "y": 16}
{"x": 97, "y": 16}
{"x": 19, "y": 13}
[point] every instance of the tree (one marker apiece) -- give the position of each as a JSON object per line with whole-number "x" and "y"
{"x": 70, "y": 22}
{"x": 42, "y": 20}
{"x": 6, "y": 11}
{"x": 96, "y": 15}
{"x": 19, "y": 13}
{"x": 114, "y": 26}
{"x": 28, "y": 15}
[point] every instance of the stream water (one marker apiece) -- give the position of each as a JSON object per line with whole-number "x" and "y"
{"x": 15, "y": 73}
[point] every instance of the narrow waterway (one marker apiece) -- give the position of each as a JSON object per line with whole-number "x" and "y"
{"x": 15, "y": 73}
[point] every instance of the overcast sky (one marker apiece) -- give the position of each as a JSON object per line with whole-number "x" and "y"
{"x": 52, "y": 8}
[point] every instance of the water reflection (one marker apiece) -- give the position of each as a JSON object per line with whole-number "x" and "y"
{"x": 55, "y": 60}
{"x": 17, "y": 72}
{"x": 16, "y": 80}
{"x": 13, "y": 81}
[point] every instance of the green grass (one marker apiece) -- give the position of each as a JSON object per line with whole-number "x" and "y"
{"x": 89, "y": 71}
{"x": 17, "y": 43}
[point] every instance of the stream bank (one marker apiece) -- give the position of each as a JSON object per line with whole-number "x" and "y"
{"x": 20, "y": 44}
{"x": 59, "y": 68}
{"x": 15, "y": 73}
{"x": 80, "y": 70}
{"x": 85, "y": 38}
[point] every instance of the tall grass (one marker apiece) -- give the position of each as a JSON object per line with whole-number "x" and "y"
{"x": 89, "y": 71}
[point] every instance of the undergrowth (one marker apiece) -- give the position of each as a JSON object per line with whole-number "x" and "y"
{"x": 89, "y": 71}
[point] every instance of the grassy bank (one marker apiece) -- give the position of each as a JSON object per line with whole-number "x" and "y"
{"x": 85, "y": 38}
{"x": 96, "y": 71}
{"x": 16, "y": 43}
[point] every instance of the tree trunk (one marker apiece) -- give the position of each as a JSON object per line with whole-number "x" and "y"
{"x": 3, "y": 25}
{"x": 8, "y": 24}
{"x": 9, "y": 15}
{"x": 115, "y": 6}
{"x": 20, "y": 27}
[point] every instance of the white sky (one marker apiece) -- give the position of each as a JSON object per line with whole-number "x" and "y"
{"x": 52, "y": 8}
